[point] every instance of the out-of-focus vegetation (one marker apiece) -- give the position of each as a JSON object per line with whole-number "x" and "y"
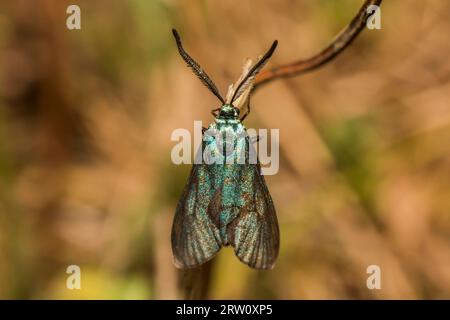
{"x": 85, "y": 124}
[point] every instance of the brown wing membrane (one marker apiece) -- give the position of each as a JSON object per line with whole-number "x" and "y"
{"x": 255, "y": 234}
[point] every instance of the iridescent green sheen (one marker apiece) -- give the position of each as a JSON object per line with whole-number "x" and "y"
{"x": 226, "y": 203}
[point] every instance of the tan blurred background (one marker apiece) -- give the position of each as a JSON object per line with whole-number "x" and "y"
{"x": 85, "y": 123}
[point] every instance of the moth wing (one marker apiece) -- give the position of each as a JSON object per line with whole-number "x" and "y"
{"x": 255, "y": 233}
{"x": 195, "y": 237}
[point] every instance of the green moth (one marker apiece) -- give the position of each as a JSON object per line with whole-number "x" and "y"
{"x": 226, "y": 200}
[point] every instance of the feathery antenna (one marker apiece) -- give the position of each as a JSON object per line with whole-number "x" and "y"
{"x": 248, "y": 79}
{"x": 196, "y": 68}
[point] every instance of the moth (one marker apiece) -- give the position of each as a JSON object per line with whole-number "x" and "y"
{"x": 226, "y": 203}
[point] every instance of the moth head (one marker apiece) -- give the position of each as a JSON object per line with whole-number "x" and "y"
{"x": 228, "y": 111}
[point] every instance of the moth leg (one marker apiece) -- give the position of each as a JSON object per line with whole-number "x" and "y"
{"x": 214, "y": 112}
{"x": 247, "y": 112}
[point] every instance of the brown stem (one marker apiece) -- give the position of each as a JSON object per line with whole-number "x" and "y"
{"x": 342, "y": 41}
{"x": 196, "y": 283}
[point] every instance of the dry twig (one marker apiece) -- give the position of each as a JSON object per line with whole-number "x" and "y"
{"x": 342, "y": 41}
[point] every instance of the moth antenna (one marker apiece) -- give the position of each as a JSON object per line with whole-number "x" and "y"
{"x": 250, "y": 77}
{"x": 196, "y": 68}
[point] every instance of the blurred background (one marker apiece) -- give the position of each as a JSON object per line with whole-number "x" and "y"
{"x": 85, "y": 123}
